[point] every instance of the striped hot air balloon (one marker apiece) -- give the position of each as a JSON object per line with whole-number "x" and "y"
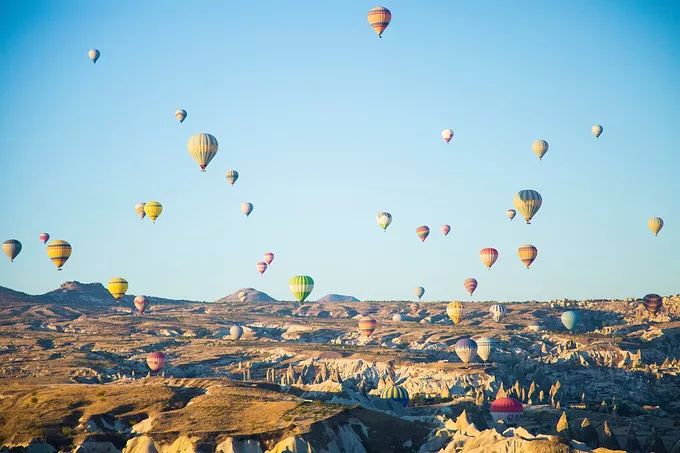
{"x": 141, "y": 302}
{"x": 232, "y": 176}
{"x": 301, "y": 286}
{"x": 652, "y": 303}
{"x": 445, "y": 229}
{"x": 44, "y": 237}
{"x": 570, "y": 319}
{"x": 11, "y": 248}
{"x": 470, "y": 285}
{"x": 510, "y": 213}
{"x": 181, "y": 115}
{"x": 455, "y": 311}
{"x": 261, "y": 267}
{"x": 153, "y": 209}
{"x": 484, "y": 347}
{"x": 367, "y": 325}
{"x": 246, "y": 208}
{"x": 539, "y": 147}
{"x": 528, "y": 202}
{"x": 498, "y": 312}
{"x": 235, "y": 332}
{"x": 395, "y": 393}
{"x": 466, "y": 349}
{"x": 117, "y": 287}
{"x": 139, "y": 210}
{"x": 488, "y": 256}
{"x": 59, "y": 252}
{"x": 527, "y": 253}
{"x": 655, "y": 224}
{"x": 94, "y": 55}
{"x": 379, "y": 18}
{"x": 419, "y": 291}
{"x": 384, "y": 219}
{"x": 268, "y": 258}
{"x": 597, "y": 130}
{"x": 506, "y": 409}
{"x": 447, "y": 135}
{"x": 423, "y": 232}
{"x": 155, "y": 361}
{"x": 202, "y": 148}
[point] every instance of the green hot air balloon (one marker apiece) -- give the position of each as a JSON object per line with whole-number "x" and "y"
{"x": 301, "y": 286}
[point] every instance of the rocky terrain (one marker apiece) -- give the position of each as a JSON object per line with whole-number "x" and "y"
{"x": 74, "y": 375}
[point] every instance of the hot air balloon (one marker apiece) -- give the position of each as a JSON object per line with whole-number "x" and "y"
{"x": 181, "y": 115}
{"x": 44, "y": 237}
{"x": 465, "y": 349}
{"x": 397, "y": 317}
{"x": 367, "y": 325}
{"x": 655, "y": 224}
{"x": 419, "y": 291}
{"x": 484, "y": 347}
{"x": 139, "y": 210}
{"x": 445, "y": 229}
{"x": 528, "y": 202}
{"x": 570, "y": 319}
{"x": 447, "y": 135}
{"x": 117, "y": 287}
{"x": 423, "y": 232}
{"x": 470, "y": 285}
{"x": 301, "y": 286}
{"x": 455, "y": 311}
{"x": 597, "y": 130}
{"x": 11, "y": 247}
{"x": 395, "y": 393}
{"x": 652, "y": 303}
{"x": 384, "y": 219}
{"x": 59, "y": 251}
{"x": 242, "y": 296}
{"x": 261, "y": 267}
{"x": 539, "y": 147}
{"x": 141, "y": 303}
{"x": 488, "y": 256}
{"x": 232, "y": 176}
{"x": 268, "y": 258}
{"x": 202, "y": 147}
{"x": 527, "y": 253}
{"x": 153, "y": 209}
{"x": 510, "y": 213}
{"x": 235, "y": 332}
{"x": 246, "y": 208}
{"x": 379, "y": 18}
{"x": 155, "y": 361}
{"x": 93, "y": 54}
{"x": 498, "y": 312}
{"x": 506, "y": 409}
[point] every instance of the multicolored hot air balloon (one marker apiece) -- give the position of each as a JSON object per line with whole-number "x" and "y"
{"x": 153, "y": 209}
{"x": 652, "y": 303}
{"x": 141, "y": 302}
{"x": 202, "y": 147}
{"x": 419, "y": 291}
{"x": 570, "y": 319}
{"x": 539, "y": 147}
{"x": 44, "y": 237}
{"x": 301, "y": 286}
{"x": 246, "y": 208}
{"x": 470, "y": 285}
{"x": 488, "y": 256}
{"x": 466, "y": 349}
{"x": 597, "y": 130}
{"x": 527, "y": 253}
{"x": 528, "y": 202}
{"x": 155, "y": 361}
{"x": 395, "y": 393}
{"x": 261, "y": 267}
{"x": 484, "y": 347}
{"x": 117, "y": 287}
{"x": 235, "y": 332}
{"x": 423, "y": 232}
{"x": 447, "y": 135}
{"x": 59, "y": 252}
{"x": 11, "y": 248}
{"x": 268, "y": 258}
{"x": 384, "y": 219}
{"x": 498, "y": 312}
{"x": 655, "y": 224}
{"x": 379, "y": 18}
{"x": 367, "y": 325}
{"x": 94, "y": 55}
{"x": 455, "y": 311}
{"x": 139, "y": 210}
{"x": 510, "y": 213}
{"x": 181, "y": 115}
{"x": 506, "y": 410}
{"x": 445, "y": 229}
{"x": 232, "y": 176}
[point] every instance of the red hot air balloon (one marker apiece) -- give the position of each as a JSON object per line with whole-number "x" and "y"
{"x": 140, "y": 303}
{"x": 367, "y": 325}
{"x": 261, "y": 267}
{"x": 470, "y": 285}
{"x": 488, "y": 256}
{"x": 268, "y": 258}
{"x": 506, "y": 409}
{"x": 652, "y": 303}
{"x": 44, "y": 237}
{"x": 155, "y": 360}
{"x": 423, "y": 232}
{"x": 445, "y": 229}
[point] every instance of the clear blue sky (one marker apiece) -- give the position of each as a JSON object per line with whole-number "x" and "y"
{"x": 328, "y": 125}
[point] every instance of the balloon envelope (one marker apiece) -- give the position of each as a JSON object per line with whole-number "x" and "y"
{"x": 139, "y": 210}
{"x": 445, "y": 229}
{"x": 93, "y": 54}
{"x": 447, "y": 135}
{"x": 528, "y": 202}
{"x": 117, "y": 287}
{"x": 261, "y": 267}
{"x": 268, "y": 258}
{"x": 655, "y": 224}
{"x": 506, "y": 409}
{"x": 419, "y": 291}
{"x": 423, "y": 232}
{"x": 181, "y": 115}
{"x": 235, "y": 332}
{"x": 59, "y": 252}
{"x": 570, "y": 319}
{"x": 397, "y": 317}
{"x": 498, "y": 312}
{"x": 395, "y": 393}
{"x": 44, "y": 237}
{"x": 141, "y": 302}
{"x": 539, "y": 147}
{"x": 155, "y": 360}
{"x": 470, "y": 285}
{"x": 488, "y": 256}
{"x": 597, "y": 130}
{"x": 301, "y": 286}
{"x": 367, "y": 325}
{"x": 455, "y": 311}
{"x": 484, "y": 347}
{"x": 510, "y": 213}
{"x": 466, "y": 349}
{"x": 202, "y": 148}
{"x": 384, "y": 219}
{"x": 11, "y": 248}
{"x": 153, "y": 209}
{"x": 527, "y": 253}
{"x": 652, "y": 303}
{"x": 379, "y": 18}
{"x": 246, "y": 208}
{"x": 232, "y": 176}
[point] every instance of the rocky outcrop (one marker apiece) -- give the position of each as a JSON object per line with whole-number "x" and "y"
{"x": 251, "y": 295}
{"x": 337, "y": 298}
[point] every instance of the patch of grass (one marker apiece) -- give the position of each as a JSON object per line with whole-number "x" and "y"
{"x": 67, "y": 431}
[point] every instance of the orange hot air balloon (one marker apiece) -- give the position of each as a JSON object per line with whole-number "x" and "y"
{"x": 367, "y": 325}
{"x": 488, "y": 256}
{"x": 470, "y": 285}
{"x": 527, "y": 253}
{"x": 379, "y": 18}
{"x": 423, "y": 232}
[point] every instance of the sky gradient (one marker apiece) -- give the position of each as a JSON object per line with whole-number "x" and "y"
{"x": 328, "y": 125}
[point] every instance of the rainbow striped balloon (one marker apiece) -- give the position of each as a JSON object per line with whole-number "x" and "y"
{"x": 367, "y": 326}
{"x": 488, "y": 256}
{"x": 652, "y": 303}
{"x": 423, "y": 232}
{"x": 470, "y": 285}
{"x": 528, "y": 202}
{"x": 395, "y": 393}
{"x": 466, "y": 349}
{"x": 527, "y": 253}
{"x": 301, "y": 286}
{"x": 379, "y": 18}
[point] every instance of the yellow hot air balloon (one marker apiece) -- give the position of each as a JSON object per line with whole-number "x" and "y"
{"x": 655, "y": 224}
{"x": 455, "y": 311}
{"x": 153, "y": 209}
{"x": 59, "y": 251}
{"x": 539, "y": 147}
{"x": 528, "y": 202}
{"x": 202, "y": 147}
{"x": 527, "y": 253}
{"x": 379, "y": 18}
{"x": 117, "y": 287}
